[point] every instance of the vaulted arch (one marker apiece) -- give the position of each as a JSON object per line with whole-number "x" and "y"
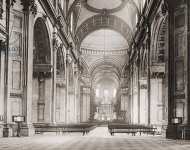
{"x": 115, "y": 63}
{"x": 103, "y": 21}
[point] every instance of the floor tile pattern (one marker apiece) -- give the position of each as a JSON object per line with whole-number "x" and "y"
{"x": 98, "y": 139}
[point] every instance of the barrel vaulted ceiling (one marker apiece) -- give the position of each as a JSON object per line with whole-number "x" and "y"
{"x": 104, "y": 30}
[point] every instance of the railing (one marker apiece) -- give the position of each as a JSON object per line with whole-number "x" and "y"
{"x": 106, "y": 52}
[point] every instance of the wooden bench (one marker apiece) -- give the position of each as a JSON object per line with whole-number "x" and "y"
{"x": 130, "y": 129}
{"x": 63, "y": 128}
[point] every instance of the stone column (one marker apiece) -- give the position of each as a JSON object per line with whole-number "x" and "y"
{"x": 29, "y": 11}
{"x": 177, "y": 70}
{"x": 157, "y": 99}
{"x": 135, "y": 96}
{"x": 53, "y": 105}
{"x": 143, "y": 102}
{"x": 27, "y": 129}
{"x": 68, "y": 62}
{"x": 148, "y": 47}
{"x": 77, "y": 92}
{"x": 5, "y": 128}
{"x": 2, "y": 88}
{"x": 125, "y": 104}
{"x": 188, "y": 62}
{"x": 138, "y": 85}
{"x": 131, "y": 92}
{"x": 85, "y": 114}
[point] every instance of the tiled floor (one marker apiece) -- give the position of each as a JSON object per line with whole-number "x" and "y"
{"x": 98, "y": 139}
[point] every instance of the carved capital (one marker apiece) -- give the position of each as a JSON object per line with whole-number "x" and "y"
{"x": 29, "y": 5}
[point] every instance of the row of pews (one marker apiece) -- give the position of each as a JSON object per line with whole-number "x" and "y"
{"x": 83, "y": 128}
{"x": 130, "y": 129}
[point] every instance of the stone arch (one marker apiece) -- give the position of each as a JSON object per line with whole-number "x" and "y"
{"x": 160, "y": 40}
{"x": 42, "y": 48}
{"x": 98, "y": 71}
{"x": 42, "y": 73}
{"x": 103, "y": 21}
{"x": 108, "y": 62}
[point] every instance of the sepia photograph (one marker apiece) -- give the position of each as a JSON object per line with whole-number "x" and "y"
{"x": 94, "y": 74}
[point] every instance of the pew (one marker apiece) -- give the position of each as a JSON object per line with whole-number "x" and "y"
{"x": 63, "y": 128}
{"x": 130, "y": 129}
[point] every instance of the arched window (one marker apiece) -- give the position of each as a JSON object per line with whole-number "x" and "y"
{"x": 41, "y": 67}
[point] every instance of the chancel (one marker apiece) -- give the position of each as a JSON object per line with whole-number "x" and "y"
{"x": 94, "y": 74}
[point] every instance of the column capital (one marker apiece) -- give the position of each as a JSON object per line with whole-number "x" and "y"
{"x": 29, "y": 5}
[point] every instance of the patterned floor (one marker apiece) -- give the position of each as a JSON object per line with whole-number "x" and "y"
{"x": 98, "y": 139}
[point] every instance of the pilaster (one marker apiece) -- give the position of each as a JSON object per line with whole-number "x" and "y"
{"x": 27, "y": 127}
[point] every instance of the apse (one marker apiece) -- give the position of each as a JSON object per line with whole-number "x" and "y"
{"x": 106, "y": 89}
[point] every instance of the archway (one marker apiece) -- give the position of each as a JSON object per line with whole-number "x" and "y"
{"x": 60, "y": 104}
{"x": 159, "y": 87}
{"x": 42, "y": 71}
{"x": 71, "y": 103}
{"x": 105, "y": 97}
{"x": 101, "y": 22}
{"x": 104, "y": 51}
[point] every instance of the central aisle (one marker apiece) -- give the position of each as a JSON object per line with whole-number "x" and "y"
{"x": 100, "y": 132}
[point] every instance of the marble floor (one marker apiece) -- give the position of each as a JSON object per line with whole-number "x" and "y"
{"x": 98, "y": 139}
